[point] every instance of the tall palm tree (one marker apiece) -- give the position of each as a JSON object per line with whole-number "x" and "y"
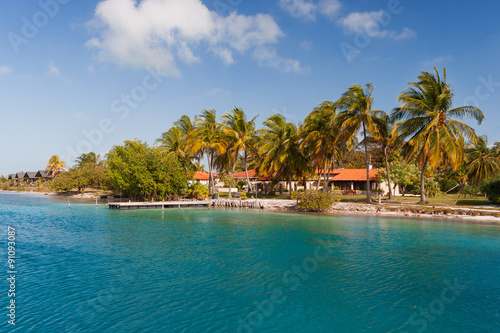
{"x": 426, "y": 118}
{"x": 55, "y": 165}
{"x": 319, "y": 136}
{"x": 205, "y": 139}
{"x": 356, "y": 115}
{"x": 175, "y": 141}
{"x": 280, "y": 150}
{"x": 481, "y": 162}
{"x": 185, "y": 124}
{"x": 388, "y": 142}
{"x": 240, "y": 135}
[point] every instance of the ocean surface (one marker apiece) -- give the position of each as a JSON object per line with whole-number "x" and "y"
{"x": 88, "y": 269}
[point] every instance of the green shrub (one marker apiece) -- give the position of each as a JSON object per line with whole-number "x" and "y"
{"x": 197, "y": 191}
{"x": 492, "y": 189}
{"x": 432, "y": 188}
{"x": 293, "y": 195}
{"x": 5, "y": 187}
{"x": 272, "y": 193}
{"x": 317, "y": 200}
{"x": 243, "y": 195}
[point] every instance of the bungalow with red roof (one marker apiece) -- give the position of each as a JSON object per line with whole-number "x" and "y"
{"x": 204, "y": 178}
{"x": 350, "y": 181}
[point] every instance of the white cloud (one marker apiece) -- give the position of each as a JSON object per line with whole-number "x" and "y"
{"x": 159, "y": 33}
{"x": 5, "y": 70}
{"x": 437, "y": 61}
{"x": 267, "y": 57}
{"x": 329, "y": 8}
{"x": 371, "y": 24}
{"x": 53, "y": 70}
{"x": 299, "y": 8}
{"x": 307, "y": 9}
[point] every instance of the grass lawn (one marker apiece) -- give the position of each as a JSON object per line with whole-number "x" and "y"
{"x": 443, "y": 199}
{"x": 448, "y": 199}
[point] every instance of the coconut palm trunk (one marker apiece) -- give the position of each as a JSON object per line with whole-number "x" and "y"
{"x": 423, "y": 197}
{"x": 388, "y": 175}
{"x": 368, "y": 192}
{"x": 232, "y": 175}
{"x": 210, "y": 178}
{"x": 246, "y": 173}
{"x": 327, "y": 182}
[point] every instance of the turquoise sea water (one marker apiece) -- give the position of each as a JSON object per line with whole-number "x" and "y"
{"x": 97, "y": 270}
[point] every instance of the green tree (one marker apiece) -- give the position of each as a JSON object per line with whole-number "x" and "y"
{"x": 402, "y": 174}
{"x": 356, "y": 115}
{"x": 280, "y": 150}
{"x": 481, "y": 162}
{"x": 426, "y": 117}
{"x": 175, "y": 141}
{"x": 240, "y": 135}
{"x": 145, "y": 172}
{"x": 319, "y": 135}
{"x": 89, "y": 159}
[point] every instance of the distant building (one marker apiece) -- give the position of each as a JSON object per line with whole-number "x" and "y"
{"x": 350, "y": 181}
{"x": 204, "y": 178}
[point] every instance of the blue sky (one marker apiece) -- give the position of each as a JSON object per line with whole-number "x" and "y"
{"x": 86, "y": 75}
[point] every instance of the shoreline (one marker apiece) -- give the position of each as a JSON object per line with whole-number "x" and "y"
{"x": 442, "y": 213}
{"x": 486, "y": 216}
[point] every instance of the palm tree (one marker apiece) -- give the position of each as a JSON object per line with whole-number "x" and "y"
{"x": 356, "y": 115}
{"x": 205, "y": 139}
{"x": 388, "y": 141}
{"x": 185, "y": 124}
{"x": 319, "y": 135}
{"x": 89, "y": 158}
{"x": 55, "y": 165}
{"x": 426, "y": 117}
{"x": 280, "y": 153}
{"x": 175, "y": 142}
{"x": 481, "y": 162}
{"x": 240, "y": 135}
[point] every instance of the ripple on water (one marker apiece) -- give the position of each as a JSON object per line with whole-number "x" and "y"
{"x": 95, "y": 270}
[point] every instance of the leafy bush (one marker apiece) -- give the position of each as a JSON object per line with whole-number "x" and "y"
{"x": 491, "y": 188}
{"x": 243, "y": 195}
{"x": 432, "y": 188}
{"x": 316, "y": 200}
{"x": 293, "y": 195}
{"x": 197, "y": 191}
{"x": 5, "y": 187}
{"x": 272, "y": 193}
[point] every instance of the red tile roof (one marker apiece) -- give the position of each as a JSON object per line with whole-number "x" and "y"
{"x": 203, "y": 175}
{"x": 251, "y": 174}
{"x": 352, "y": 175}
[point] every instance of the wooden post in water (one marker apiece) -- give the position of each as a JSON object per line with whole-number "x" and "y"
{"x": 69, "y": 204}
{"x": 95, "y": 202}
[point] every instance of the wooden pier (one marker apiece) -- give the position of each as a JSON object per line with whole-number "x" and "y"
{"x": 157, "y": 205}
